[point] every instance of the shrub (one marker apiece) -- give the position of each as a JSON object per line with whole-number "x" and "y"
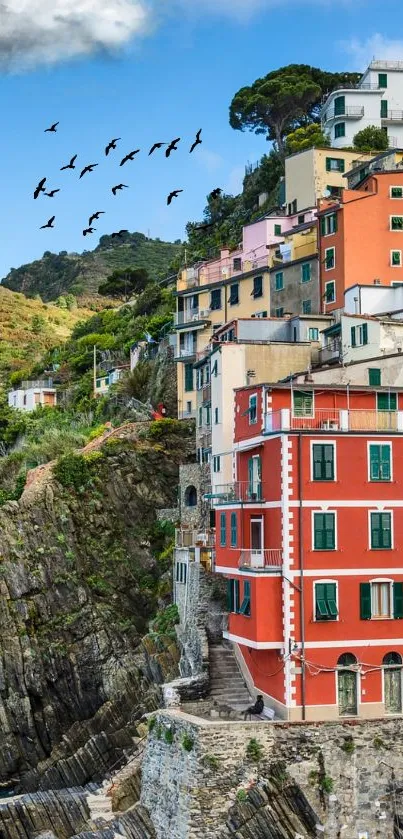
{"x": 348, "y": 746}
{"x": 166, "y": 620}
{"x": 187, "y": 742}
{"x": 72, "y": 470}
{"x": 241, "y": 795}
{"x": 151, "y": 723}
{"x": 326, "y": 784}
{"x": 169, "y": 736}
{"x": 211, "y": 761}
{"x": 254, "y": 750}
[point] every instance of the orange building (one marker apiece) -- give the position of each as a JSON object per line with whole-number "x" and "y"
{"x": 310, "y": 539}
{"x": 361, "y": 237}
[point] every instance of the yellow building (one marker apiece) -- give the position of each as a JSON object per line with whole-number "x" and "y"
{"x": 208, "y": 295}
{"x": 312, "y": 173}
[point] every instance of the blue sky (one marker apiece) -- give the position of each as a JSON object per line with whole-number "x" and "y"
{"x": 174, "y": 73}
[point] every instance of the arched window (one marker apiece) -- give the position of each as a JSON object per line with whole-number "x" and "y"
{"x": 191, "y": 496}
{"x": 346, "y": 660}
{"x": 392, "y": 659}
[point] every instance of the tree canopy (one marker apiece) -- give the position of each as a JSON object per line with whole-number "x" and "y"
{"x": 284, "y": 100}
{"x": 305, "y": 138}
{"x": 371, "y": 138}
{"x": 124, "y": 282}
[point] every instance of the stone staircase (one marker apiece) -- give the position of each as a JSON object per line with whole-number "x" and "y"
{"x": 227, "y": 686}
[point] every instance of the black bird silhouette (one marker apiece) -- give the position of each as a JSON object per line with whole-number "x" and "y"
{"x": 52, "y": 193}
{"x": 156, "y": 146}
{"x": 119, "y": 233}
{"x": 173, "y": 194}
{"x": 40, "y": 187}
{"x": 215, "y": 193}
{"x": 71, "y": 164}
{"x": 48, "y": 224}
{"x": 119, "y": 186}
{"x": 172, "y": 147}
{"x": 111, "y": 145}
{"x": 129, "y": 156}
{"x": 204, "y": 226}
{"x": 88, "y": 168}
{"x": 197, "y": 141}
{"x": 88, "y": 230}
{"x": 52, "y": 128}
{"x": 95, "y": 216}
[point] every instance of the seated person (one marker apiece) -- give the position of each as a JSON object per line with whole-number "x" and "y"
{"x": 256, "y": 709}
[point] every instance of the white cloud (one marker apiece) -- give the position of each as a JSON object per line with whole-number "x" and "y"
{"x": 377, "y": 46}
{"x": 234, "y": 182}
{"x": 47, "y": 31}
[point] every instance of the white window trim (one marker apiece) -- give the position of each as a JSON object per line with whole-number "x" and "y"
{"x": 308, "y": 331}
{"x": 393, "y": 197}
{"x": 330, "y": 282}
{"x": 322, "y": 582}
{"x": 324, "y": 442}
{"x": 336, "y": 543}
{"x": 334, "y": 258}
{"x": 309, "y": 416}
{"x": 380, "y": 443}
{"x": 390, "y": 582}
{"x": 392, "y": 534}
{"x": 252, "y": 396}
{"x": 395, "y": 250}
{"x": 395, "y": 215}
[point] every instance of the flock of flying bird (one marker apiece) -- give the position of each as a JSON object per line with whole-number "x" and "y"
{"x": 170, "y": 147}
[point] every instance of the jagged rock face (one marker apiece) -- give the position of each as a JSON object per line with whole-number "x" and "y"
{"x": 77, "y": 587}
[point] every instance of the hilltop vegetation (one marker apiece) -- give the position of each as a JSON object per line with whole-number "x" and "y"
{"x": 61, "y": 273}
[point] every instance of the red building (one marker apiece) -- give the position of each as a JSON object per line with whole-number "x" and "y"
{"x": 310, "y": 538}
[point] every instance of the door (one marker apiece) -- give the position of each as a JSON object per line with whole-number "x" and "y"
{"x": 256, "y": 543}
{"x": 255, "y": 482}
{"x": 393, "y": 690}
{"x": 339, "y": 106}
{"x": 347, "y": 693}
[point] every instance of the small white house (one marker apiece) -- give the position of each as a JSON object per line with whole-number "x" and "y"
{"x": 105, "y": 380}
{"x": 31, "y": 394}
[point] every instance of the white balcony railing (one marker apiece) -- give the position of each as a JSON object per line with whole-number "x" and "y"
{"x": 186, "y": 352}
{"x": 393, "y": 116}
{"x": 264, "y": 559}
{"x": 189, "y": 316}
{"x": 349, "y": 112}
{"x": 334, "y": 419}
{"x": 245, "y": 491}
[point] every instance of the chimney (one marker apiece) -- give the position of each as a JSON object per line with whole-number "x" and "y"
{"x": 356, "y": 306}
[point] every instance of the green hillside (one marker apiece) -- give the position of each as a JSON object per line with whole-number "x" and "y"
{"x": 57, "y": 274}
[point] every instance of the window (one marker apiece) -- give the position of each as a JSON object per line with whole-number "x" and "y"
{"x": 330, "y": 258}
{"x": 252, "y": 409}
{"x": 216, "y": 463}
{"x": 277, "y": 229}
{"x": 200, "y": 423}
{"x": 215, "y": 301}
{"x": 279, "y": 312}
{"x": 330, "y": 292}
{"x": 214, "y": 369}
{"x": 302, "y": 404}
{"x": 379, "y": 462}
{"x": 324, "y": 532}
{"x": 396, "y": 259}
{"x": 322, "y": 462}
{"x": 382, "y": 80}
{"x": 279, "y": 281}
{"x": 328, "y": 224}
{"x": 359, "y": 335}
{"x": 340, "y": 130}
{"x": 188, "y": 377}
{"x": 384, "y": 108}
{"x": 234, "y": 294}
{"x": 245, "y": 605}
{"x": 208, "y": 415}
{"x": 339, "y": 105}
{"x": 381, "y": 531}
{"x": 306, "y": 307}
{"x": 334, "y": 164}
{"x": 374, "y": 376}
{"x": 325, "y": 602}
{"x": 181, "y": 572}
{"x": 396, "y": 192}
{"x": 262, "y": 314}
{"x": 396, "y": 223}
{"x": 233, "y": 595}
{"x": 294, "y": 206}
{"x": 313, "y": 333}
{"x": 381, "y": 599}
{"x": 223, "y": 530}
{"x": 386, "y": 401}
{"x": 301, "y": 219}
{"x": 257, "y": 287}
{"x": 188, "y": 407}
{"x": 234, "y": 535}
{"x": 306, "y": 273}
{"x": 255, "y": 478}
{"x": 237, "y": 263}
{"x": 334, "y": 191}
{"x": 190, "y": 496}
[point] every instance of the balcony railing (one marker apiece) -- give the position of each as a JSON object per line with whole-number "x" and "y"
{"x": 206, "y": 393}
{"x": 267, "y": 559}
{"x": 393, "y": 116}
{"x": 240, "y": 491}
{"x": 194, "y": 538}
{"x": 186, "y": 352}
{"x": 330, "y": 352}
{"x": 386, "y": 65}
{"x": 36, "y": 383}
{"x": 330, "y": 419}
{"x": 348, "y": 112}
{"x": 187, "y": 414}
{"x": 187, "y": 316}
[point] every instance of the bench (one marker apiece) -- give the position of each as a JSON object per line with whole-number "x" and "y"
{"x": 267, "y": 714}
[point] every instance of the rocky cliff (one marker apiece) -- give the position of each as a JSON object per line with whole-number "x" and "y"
{"x": 81, "y": 569}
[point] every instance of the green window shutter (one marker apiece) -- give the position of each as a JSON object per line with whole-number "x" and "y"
{"x": 250, "y": 474}
{"x": 323, "y": 462}
{"x": 365, "y": 601}
{"x": 233, "y": 530}
{"x": 328, "y": 164}
{"x": 386, "y": 531}
{"x": 386, "y": 401}
{"x": 384, "y": 108}
{"x": 188, "y": 377}
{"x": 365, "y": 333}
{"x": 323, "y": 223}
{"x": 398, "y": 600}
{"x": 339, "y": 105}
{"x": 374, "y": 376}
{"x": 329, "y": 531}
{"x": 236, "y": 595}
{"x": 385, "y": 471}
{"x": 324, "y": 533}
{"x": 320, "y": 602}
{"x": 374, "y": 462}
{"x": 245, "y": 606}
{"x": 353, "y": 341}
{"x": 335, "y": 222}
{"x": 375, "y": 530}
{"x": 341, "y": 165}
{"x": 318, "y": 531}
{"x": 382, "y": 80}
{"x": 277, "y": 229}
{"x": 223, "y": 530}
{"x": 306, "y": 272}
{"x": 330, "y": 594}
{"x": 317, "y": 463}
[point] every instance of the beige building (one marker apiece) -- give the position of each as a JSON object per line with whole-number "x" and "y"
{"x": 312, "y": 173}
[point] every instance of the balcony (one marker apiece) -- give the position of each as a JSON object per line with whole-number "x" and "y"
{"x": 206, "y": 393}
{"x": 185, "y": 353}
{"x": 37, "y": 384}
{"x": 187, "y": 415}
{"x": 242, "y": 492}
{"x": 267, "y": 559}
{"x": 191, "y": 316}
{"x": 194, "y": 538}
{"x": 330, "y": 353}
{"x": 392, "y": 116}
{"x": 348, "y": 112}
{"x": 334, "y": 420}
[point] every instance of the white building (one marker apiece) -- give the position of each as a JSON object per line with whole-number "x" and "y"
{"x": 105, "y": 379}
{"x": 375, "y": 300}
{"x": 376, "y": 100}
{"x": 31, "y": 394}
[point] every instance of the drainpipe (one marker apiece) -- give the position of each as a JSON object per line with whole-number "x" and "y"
{"x": 301, "y": 565}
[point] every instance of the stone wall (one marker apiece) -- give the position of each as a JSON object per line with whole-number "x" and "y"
{"x": 200, "y": 604}
{"x": 347, "y": 777}
{"x": 198, "y": 476}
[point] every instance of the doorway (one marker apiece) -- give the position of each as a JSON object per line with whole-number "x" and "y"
{"x": 256, "y": 542}
{"x": 392, "y": 683}
{"x": 347, "y": 686}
